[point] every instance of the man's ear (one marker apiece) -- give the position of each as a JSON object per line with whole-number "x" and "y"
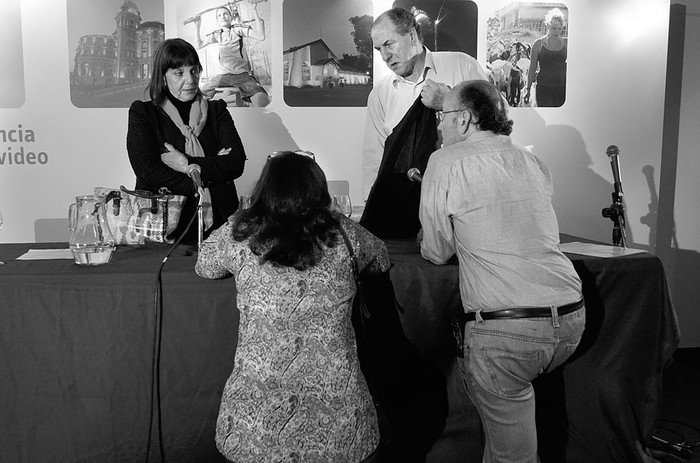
{"x": 464, "y": 121}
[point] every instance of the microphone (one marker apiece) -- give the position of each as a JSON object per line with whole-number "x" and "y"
{"x": 194, "y": 172}
{"x": 616, "y": 212}
{"x": 414, "y": 175}
{"x": 613, "y": 152}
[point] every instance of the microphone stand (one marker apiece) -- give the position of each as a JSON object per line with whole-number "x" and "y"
{"x": 616, "y": 213}
{"x": 200, "y": 220}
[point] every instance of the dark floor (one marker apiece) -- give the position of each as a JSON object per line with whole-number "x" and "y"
{"x": 680, "y": 416}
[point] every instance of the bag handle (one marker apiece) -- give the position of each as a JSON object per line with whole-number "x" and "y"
{"x": 116, "y": 197}
{"x": 384, "y": 423}
{"x": 155, "y": 198}
{"x": 355, "y": 272}
{"x": 162, "y": 194}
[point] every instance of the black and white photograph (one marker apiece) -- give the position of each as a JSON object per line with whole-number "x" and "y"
{"x": 111, "y": 46}
{"x": 447, "y": 25}
{"x": 327, "y": 58}
{"x": 527, "y": 53}
{"x": 349, "y": 231}
{"x": 233, "y": 42}
{"x": 12, "y": 77}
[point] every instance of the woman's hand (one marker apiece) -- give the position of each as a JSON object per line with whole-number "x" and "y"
{"x": 174, "y": 159}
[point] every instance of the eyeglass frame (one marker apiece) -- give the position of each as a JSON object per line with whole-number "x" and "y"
{"x": 304, "y": 153}
{"x": 440, "y": 115}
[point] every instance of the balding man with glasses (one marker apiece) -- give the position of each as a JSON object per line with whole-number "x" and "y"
{"x": 489, "y": 201}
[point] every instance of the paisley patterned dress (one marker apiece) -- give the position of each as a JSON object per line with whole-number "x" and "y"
{"x": 296, "y": 393}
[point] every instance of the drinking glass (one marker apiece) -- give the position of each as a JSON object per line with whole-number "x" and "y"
{"x": 244, "y": 202}
{"x": 342, "y": 204}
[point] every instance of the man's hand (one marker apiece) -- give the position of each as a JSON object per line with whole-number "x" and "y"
{"x": 433, "y": 94}
{"x": 174, "y": 159}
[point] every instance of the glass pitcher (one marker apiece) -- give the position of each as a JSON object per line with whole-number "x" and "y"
{"x": 91, "y": 241}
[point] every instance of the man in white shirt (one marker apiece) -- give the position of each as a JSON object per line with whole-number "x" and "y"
{"x": 416, "y": 72}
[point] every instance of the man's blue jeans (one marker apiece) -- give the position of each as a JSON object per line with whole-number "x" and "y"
{"x": 501, "y": 358}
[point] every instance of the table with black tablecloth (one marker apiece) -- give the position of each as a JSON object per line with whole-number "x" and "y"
{"x": 77, "y": 349}
{"x": 606, "y": 397}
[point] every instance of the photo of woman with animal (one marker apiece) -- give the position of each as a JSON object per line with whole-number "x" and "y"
{"x": 517, "y": 34}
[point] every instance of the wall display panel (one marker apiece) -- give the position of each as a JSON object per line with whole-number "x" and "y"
{"x": 608, "y": 43}
{"x": 527, "y": 44}
{"x": 233, "y": 41}
{"x": 12, "y": 76}
{"x": 449, "y": 25}
{"x": 111, "y": 44}
{"x": 327, "y": 57}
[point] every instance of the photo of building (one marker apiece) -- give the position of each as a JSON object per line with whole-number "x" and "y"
{"x": 315, "y": 65}
{"x": 322, "y": 68}
{"x": 112, "y": 70}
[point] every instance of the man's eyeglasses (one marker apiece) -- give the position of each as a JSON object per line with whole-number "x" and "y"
{"x": 441, "y": 114}
{"x": 305, "y": 153}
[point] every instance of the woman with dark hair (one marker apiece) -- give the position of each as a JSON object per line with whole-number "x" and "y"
{"x": 178, "y": 127}
{"x": 296, "y": 392}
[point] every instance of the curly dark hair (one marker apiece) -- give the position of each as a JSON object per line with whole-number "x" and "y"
{"x": 289, "y": 220}
{"x": 486, "y": 104}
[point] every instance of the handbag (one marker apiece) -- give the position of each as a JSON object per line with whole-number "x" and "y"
{"x": 359, "y": 304}
{"x": 361, "y": 309}
{"x": 137, "y": 216}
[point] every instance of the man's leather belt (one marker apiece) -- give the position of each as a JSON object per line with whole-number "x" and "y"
{"x": 521, "y": 312}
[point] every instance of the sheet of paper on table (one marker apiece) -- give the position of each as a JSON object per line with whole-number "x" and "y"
{"x": 45, "y": 254}
{"x": 597, "y": 250}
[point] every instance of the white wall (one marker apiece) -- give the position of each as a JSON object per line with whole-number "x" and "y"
{"x": 687, "y": 191}
{"x": 616, "y": 83}
{"x": 617, "y": 52}
{"x": 678, "y": 232}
